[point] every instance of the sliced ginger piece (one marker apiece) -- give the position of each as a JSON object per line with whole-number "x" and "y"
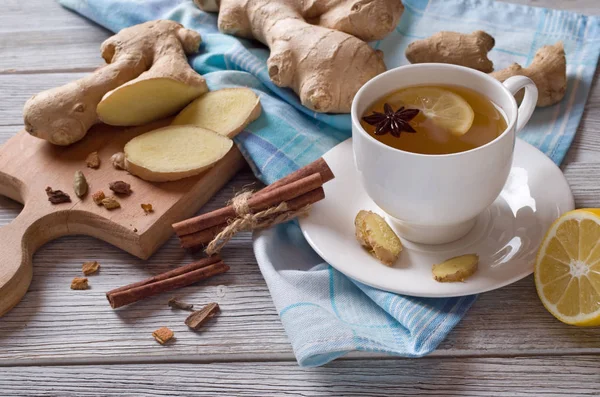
{"x": 145, "y": 100}
{"x": 377, "y": 236}
{"x": 455, "y": 269}
{"x": 226, "y": 112}
{"x": 175, "y": 152}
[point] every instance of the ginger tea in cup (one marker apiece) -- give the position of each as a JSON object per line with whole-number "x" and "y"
{"x": 434, "y": 119}
{"x": 446, "y": 155}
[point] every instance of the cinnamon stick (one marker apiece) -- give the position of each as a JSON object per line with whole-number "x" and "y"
{"x": 205, "y": 236}
{"x": 257, "y": 202}
{"x": 319, "y": 166}
{"x": 176, "y": 278}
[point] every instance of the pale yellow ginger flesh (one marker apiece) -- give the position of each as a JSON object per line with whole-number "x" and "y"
{"x": 127, "y": 86}
{"x": 175, "y": 152}
{"x": 469, "y": 50}
{"x": 146, "y": 100}
{"x": 318, "y": 48}
{"x": 227, "y": 111}
{"x": 456, "y": 269}
{"x": 377, "y": 236}
{"x": 548, "y": 70}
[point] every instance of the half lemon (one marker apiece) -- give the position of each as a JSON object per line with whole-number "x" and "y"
{"x": 567, "y": 269}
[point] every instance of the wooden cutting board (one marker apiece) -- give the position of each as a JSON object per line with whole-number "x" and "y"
{"x": 28, "y": 165}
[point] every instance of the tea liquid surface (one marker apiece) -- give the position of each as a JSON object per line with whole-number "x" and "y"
{"x": 430, "y": 138}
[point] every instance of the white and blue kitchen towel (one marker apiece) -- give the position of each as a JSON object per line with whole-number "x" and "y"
{"x": 325, "y": 314}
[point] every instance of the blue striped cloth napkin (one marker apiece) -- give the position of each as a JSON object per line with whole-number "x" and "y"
{"x": 326, "y": 314}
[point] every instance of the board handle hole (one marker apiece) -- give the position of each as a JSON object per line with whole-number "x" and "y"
{"x": 9, "y": 210}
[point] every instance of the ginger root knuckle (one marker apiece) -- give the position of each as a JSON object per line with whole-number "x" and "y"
{"x": 469, "y": 50}
{"x": 317, "y": 48}
{"x": 63, "y": 115}
{"x": 281, "y": 68}
{"x": 548, "y": 71}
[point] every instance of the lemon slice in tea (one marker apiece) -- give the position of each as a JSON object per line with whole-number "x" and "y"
{"x": 567, "y": 269}
{"x": 445, "y": 108}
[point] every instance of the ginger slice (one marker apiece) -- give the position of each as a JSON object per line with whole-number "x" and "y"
{"x": 226, "y": 112}
{"x": 455, "y": 269}
{"x": 175, "y": 152}
{"x": 377, "y": 236}
{"x": 148, "y": 99}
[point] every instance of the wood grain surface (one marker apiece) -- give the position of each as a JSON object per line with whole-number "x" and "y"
{"x": 469, "y": 377}
{"x": 70, "y": 343}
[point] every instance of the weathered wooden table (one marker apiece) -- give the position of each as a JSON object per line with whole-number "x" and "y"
{"x": 71, "y": 343}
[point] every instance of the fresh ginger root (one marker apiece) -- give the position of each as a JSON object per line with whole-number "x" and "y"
{"x": 456, "y": 269}
{"x": 175, "y": 152}
{"x": 548, "y": 70}
{"x": 317, "y": 46}
{"x": 226, "y": 112}
{"x": 469, "y": 50}
{"x": 147, "y": 77}
{"x": 377, "y": 236}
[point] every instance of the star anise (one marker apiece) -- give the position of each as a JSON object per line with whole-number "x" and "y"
{"x": 390, "y": 121}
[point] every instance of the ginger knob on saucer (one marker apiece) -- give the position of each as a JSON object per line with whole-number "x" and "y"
{"x": 377, "y": 236}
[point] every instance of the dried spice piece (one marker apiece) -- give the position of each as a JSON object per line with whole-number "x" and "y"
{"x": 90, "y": 267}
{"x": 79, "y": 283}
{"x": 93, "y": 160}
{"x": 120, "y": 187}
{"x": 57, "y": 196}
{"x": 177, "y": 304}
{"x": 98, "y": 197}
{"x": 163, "y": 335}
{"x": 390, "y": 121}
{"x": 198, "y": 318}
{"x": 110, "y": 203}
{"x": 118, "y": 160}
{"x": 80, "y": 185}
{"x": 147, "y": 208}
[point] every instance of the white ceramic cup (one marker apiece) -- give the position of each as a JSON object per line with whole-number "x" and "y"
{"x": 436, "y": 199}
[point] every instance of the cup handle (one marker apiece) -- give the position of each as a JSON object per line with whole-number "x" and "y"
{"x": 516, "y": 83}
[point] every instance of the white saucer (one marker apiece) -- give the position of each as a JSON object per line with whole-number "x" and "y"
{"x": 506, "y": 236}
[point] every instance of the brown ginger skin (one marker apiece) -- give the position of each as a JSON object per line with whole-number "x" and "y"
{"x": 63, "y": 115}
{"x": 548, "y": 70}
{"x": 469, "y": 50}
{"x": 317, "y": 47}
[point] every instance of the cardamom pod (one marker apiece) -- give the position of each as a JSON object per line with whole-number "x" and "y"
{"x": 80, "y": 185}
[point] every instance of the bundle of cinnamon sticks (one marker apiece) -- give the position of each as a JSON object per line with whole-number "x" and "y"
{"x": 297, "y": 190}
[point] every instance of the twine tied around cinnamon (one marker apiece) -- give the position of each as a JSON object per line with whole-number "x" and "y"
{"x": 246, "y": 220}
